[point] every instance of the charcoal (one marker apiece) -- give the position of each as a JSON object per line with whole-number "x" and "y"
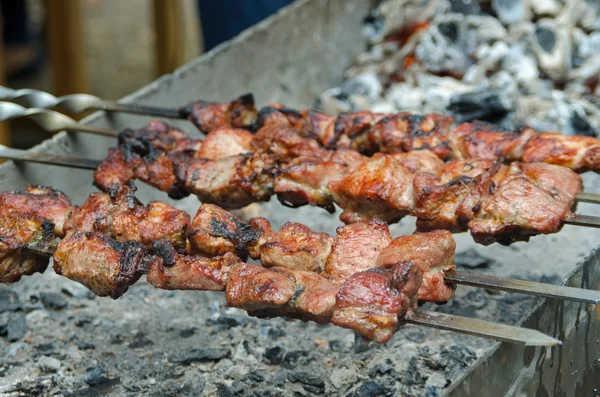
{"x": 13, "y": 326}
{"x": 372, "y": 389}
{"x": 9, "y": 301}
{"x": 49, "y": 364}
{"x": 200, "y": 355}
{"x": 53, "y": 301}
{"x": 274, "y": 355}
{"x": 254, "y": 377}
{"x": 307, "y": 378}
{"x": 82, "y": 345}
{"x": 140, "y": 341}
{"x": 229, "y": 320}
{"x": 580, "y": 125}
{"x": 187, "y": 332}
{"x": 488, "y": 105}
{"x": 224, "y": 391}
{"x": 412, "y": 375}
{"x": 95, "y": 377}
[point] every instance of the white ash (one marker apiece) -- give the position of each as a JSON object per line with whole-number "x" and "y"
{"x": 529, "y": 62}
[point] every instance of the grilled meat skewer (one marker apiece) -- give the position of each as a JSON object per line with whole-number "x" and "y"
{"x": 388, "y": 187}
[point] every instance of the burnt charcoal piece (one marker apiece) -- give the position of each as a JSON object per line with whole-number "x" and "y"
{"x": 200, "y": 355}
{"x": 53, "y": 301}
{"x": 489, "y": 105}
{"x": 274, "y": 355}
{"x": 545, "y": 38}
{"x": 371, "y": 388}
{"x": 9, "y": 301}
{"x": 581, "y": 125}
{"x": 311, "y": 382}
{"x": 95, "y": 377}
{"x": 13, "y": 326}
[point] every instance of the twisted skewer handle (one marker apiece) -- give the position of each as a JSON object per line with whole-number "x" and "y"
{"x": 79, "y": 103}
{"x": 49, "y": 120}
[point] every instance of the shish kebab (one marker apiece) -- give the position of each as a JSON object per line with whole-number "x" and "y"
{"x": 216, "y": 232}
{"x": 363, "y": 288}
{"x": 364, "y": 131}
{"x": 478, "y": 195}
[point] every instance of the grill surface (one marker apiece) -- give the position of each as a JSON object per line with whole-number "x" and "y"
{"x": 291, "y": 58}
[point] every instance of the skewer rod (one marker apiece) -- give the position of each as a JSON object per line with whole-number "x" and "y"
{"x": 525, "y": 287}
{"x": 45, "y": 158}
{"x": 588, "y": 198}
{"x": 482, "y": 328}
{"x": 584, "y": 220}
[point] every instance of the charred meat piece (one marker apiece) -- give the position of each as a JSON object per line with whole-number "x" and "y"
{"x": 45, "y": 202}
{"x": 118, "y": 168}
{"x": 350, "y": 125}
{"x": 286, "y": 144}
{"x": 296, "y": 247}
{"x": 208, "y": 116}
{"x": 122, "y": 216}
{"x": 232, "y": 182}
{"x": 215, "y": 231}
{"x": 381, "y": 188}
{"x": 159, "y": 136}
{"x": 579, "y": 153}
{"x": 165, "y": 172}
{"x": 188, "y": 272}
{"x": 105, "y": 266}
{"x": 432, "y": 253}
{"x": 404, "y": 132}
{"x": 527, "y": 199}
{"x": 225, "y": 142}
{"x": 483, "y": 140}
{"x": 447, "y": 201}
{"x": 306, "y": 180}
{"x": 419, "y": 161}
{"x": 16, "y": 232}
{"x": 256, "y": 289}
{"x": 373, "y": 302}
{"x": 356, "y": 248}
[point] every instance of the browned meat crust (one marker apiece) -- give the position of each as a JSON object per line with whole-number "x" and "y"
{"x": 102, "y": 264}
{"x": 208, "y": 116}
{"x": 45, "y": 202}
{"x": 16, "y": 232}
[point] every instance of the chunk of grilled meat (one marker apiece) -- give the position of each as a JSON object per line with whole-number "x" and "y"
{"x": 159, "y": 136}
{"x": 356, "y": 248}
{"x": 231, "y": 182}
{"x": 483, "y": 140}
{"x": 45, "y": 202}
{"x": 286, "y": 144}
{"x": 208, "y": 116}
{"x": 296, "y": 247}
{"x": 103, "y": 265}
{"x": 189, "y": 272}
{"x": 120, "y": 215}
{"x": 373, "y": 302}
{"x": 215, "y": 231}
{"x": 496, "y": 202}
{"x": 306, "y": 180}
{"x": 225, "y": 142}
{"x": 403, "y": 132}
{"x": 16, "y": 232}
{"x": 433, "y": 253}
{"x": 579, "y": 153}
{"x": 446, "y": 201}
{"x": 527, "y": 199}
{"x": 381, "y": 188}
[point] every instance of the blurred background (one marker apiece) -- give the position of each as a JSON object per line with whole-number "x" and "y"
{"x": 109, "y": 48}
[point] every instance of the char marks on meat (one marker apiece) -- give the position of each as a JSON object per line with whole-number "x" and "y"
{"x": 18, "y": 230}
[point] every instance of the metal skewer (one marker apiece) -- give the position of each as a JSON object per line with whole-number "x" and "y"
{"x": 482, "y": 328}
{"x": 79, "y": 103}
{"x": 50, "y": 120}
{"x": 449, "y": 322}
{"x": 525, "y": 287}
